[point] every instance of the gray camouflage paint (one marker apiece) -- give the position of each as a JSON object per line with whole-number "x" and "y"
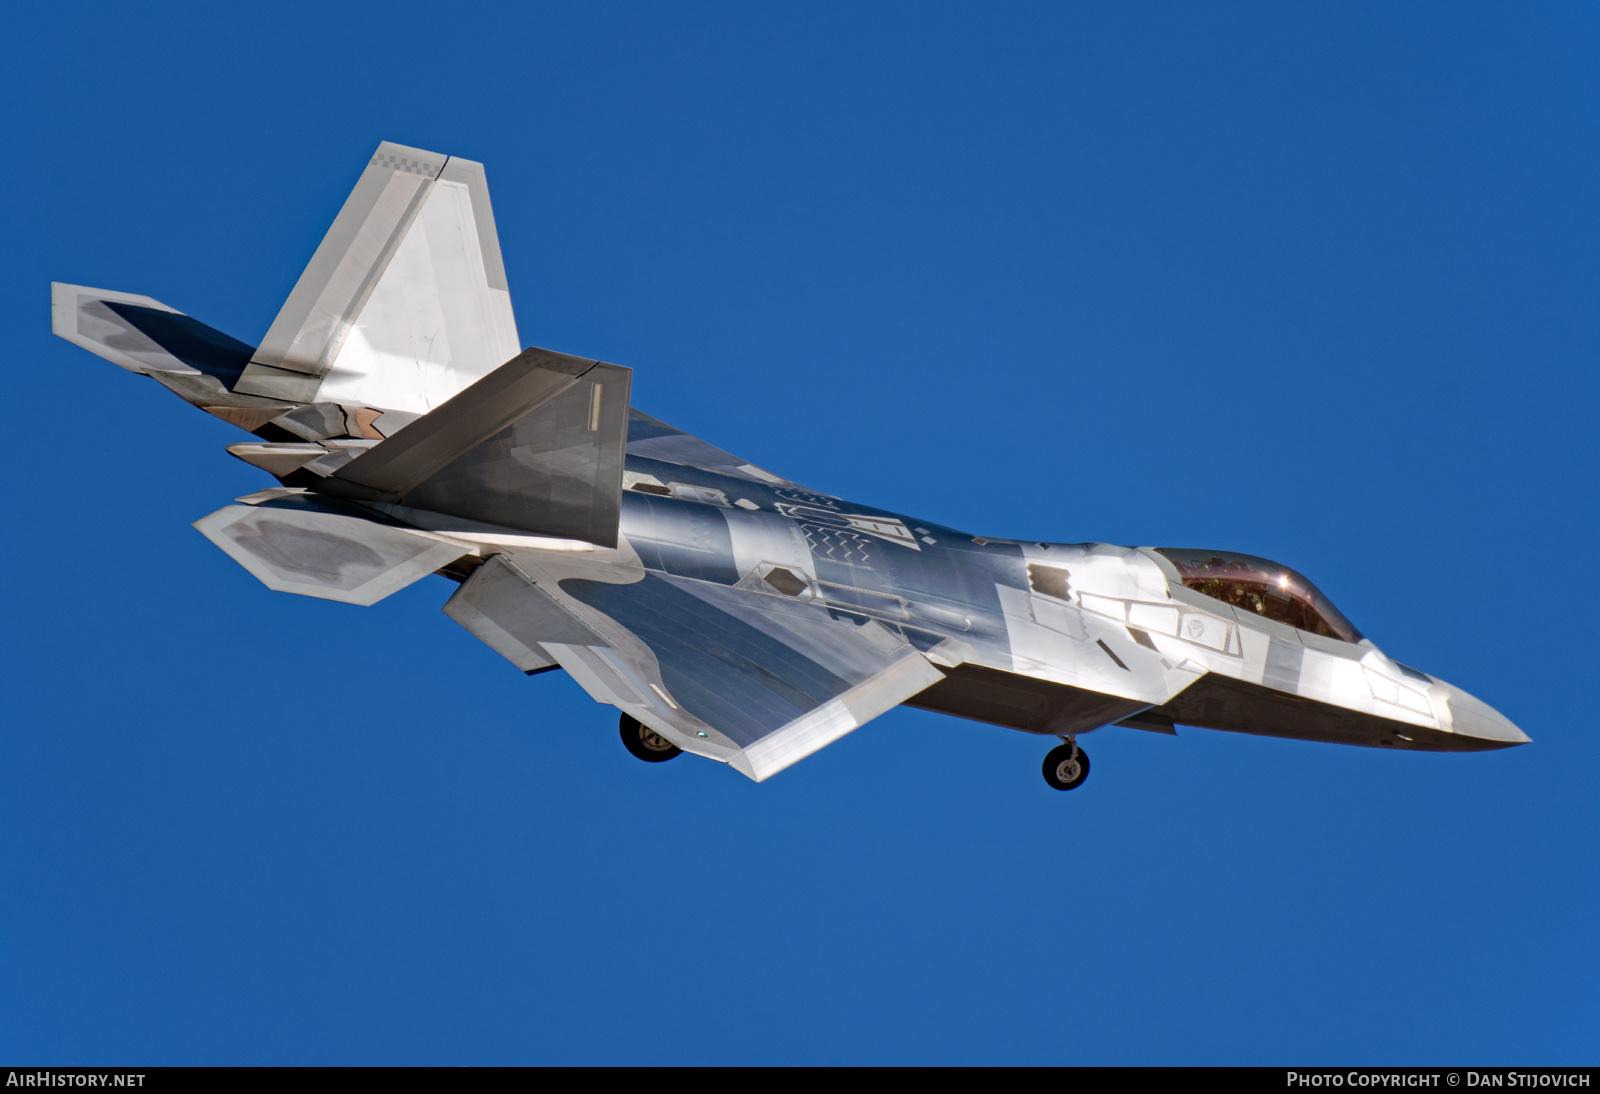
{"x": 752, "y": 602}
{"x": 739, "y": 615}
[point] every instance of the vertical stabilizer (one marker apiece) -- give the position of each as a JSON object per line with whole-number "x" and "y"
{"x": 405, "y": 302}
{"x": 539, "y": 445}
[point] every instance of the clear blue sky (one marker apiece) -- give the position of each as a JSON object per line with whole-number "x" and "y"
{"x": 1316, "y": 282}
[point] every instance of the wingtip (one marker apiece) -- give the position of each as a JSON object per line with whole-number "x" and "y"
{"x": 741, "y": 764}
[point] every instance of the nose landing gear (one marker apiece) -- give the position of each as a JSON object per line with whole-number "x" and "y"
{"x": 645, "y": 742}
{"x": 1066, "y": 766}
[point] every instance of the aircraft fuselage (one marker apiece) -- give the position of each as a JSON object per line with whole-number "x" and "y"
{"x": 1049, "y": 638}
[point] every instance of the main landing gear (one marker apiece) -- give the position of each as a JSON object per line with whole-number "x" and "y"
{"x": 646, "y": 743}
{"x": 1067, "y": 765}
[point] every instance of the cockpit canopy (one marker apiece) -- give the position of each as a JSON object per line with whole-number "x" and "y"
{"x": 1265, "y": 588}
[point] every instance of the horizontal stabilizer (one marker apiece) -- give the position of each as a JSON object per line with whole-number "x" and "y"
{"x": 145, "y": 335}
{"x": 537, "y": 445}
{"x": 304, "y": 546}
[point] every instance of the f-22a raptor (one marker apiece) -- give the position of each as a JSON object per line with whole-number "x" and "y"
{"x": 723, "y": 609}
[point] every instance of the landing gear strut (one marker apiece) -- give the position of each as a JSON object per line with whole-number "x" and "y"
{"x": 1067, "y": 766}
{"x": 646, "y": 743}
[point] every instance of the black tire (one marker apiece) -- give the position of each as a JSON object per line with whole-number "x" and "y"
{"x": 1060, "y": 773}
{"x": 645, "y": 742}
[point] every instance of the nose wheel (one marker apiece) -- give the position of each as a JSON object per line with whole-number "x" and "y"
{"x": 1066, "y": 767}
{"x": 645, "y": 742}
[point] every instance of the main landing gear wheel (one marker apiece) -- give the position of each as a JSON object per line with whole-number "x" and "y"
{"x": 645, "y": 742}
{"x": 1066, "y": 767}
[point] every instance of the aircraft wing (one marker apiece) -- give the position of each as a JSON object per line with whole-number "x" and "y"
{"x": 758, "y": 681}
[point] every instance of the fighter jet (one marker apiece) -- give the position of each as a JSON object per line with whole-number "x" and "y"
{"x": 723, "y": 609}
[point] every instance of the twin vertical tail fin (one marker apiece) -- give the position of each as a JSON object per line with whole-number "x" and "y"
{"x": 405, "y": 302}
{"x": 537, "y": 445}
{"x": 534, "y": 447}
{"x": 403, "y": 305}
{"x": 392, "y": 373}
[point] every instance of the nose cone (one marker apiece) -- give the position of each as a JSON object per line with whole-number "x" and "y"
{"x": 1472, "y": 718}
